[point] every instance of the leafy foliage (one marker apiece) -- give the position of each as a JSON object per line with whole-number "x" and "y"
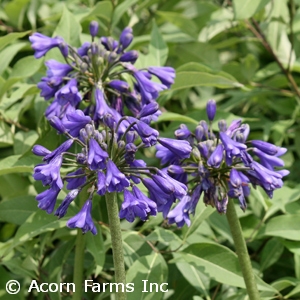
{"x": 244, "y": 54}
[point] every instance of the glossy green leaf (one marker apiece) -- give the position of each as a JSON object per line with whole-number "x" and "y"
{"x": 7, "y": 54}
{"x": 217, "y": 262}
{"x": 244, "y": 9}
{"x": 18, "y": 164}
{"x": 95, "y": 246}
{"x": 191, "y": 79}
{"x": 169, "y": 116}
{"x": 184, "y": 24}
{"x": 195, "y": 277}
{"x": 158, "y": 49}
{"x": 17, "y": 210}
{"x": 26, "y": 67}
{"x": 6, "y": 138}
{"x": 68, "y": 28}
{"x": 39, "y": 222}
{"x": 286, "y": 226}
{"x": 102, "y": 9}
{"x": 271, "y": 253}
{"x": 144, "y": 271}
{"x": 202, "y": 213}
{"x": 5, "y": 40}
{"x": 15, "y": 11}
{"x": 23, "y": 141}
{"x": 121, "y": 10}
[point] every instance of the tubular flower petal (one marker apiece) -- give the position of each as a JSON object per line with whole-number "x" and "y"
{"x": 83, "y": 219}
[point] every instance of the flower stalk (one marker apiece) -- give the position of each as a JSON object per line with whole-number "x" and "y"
{"x": 241, "y": 250}
{"x": 79, "y": 255}
{"x": 116, "y": 241}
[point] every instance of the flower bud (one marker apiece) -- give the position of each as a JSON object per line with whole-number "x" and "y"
{"x": 195, "y": 154}
{"x": 83, "y": 135}
{"x": 40, "y": 150}
{"x": 199, "y": 133}
{"x": 57, "y": 124}
{"x": 109, "y": 121}
{"x": 211, "y": 109}
{"x": 83, "y": 67}
{"x": 177, "y": 170}
{"x": 119, "y": 85}
{"x": 63, "y": 47}
{"x": 121, "y": 144}
{"x": 89, "y": 129}
{"x": 182, "y": 133}
{"x": 130, "y": 56}
{"x": 126, "y": 37}
{"x": 95, "y": 48}
{"x": 222, "y": 125}
{"x": 94, "y": 27}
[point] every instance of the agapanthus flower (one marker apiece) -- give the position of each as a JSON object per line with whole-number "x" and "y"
{"x": 47, "y": 199}
{"x": 136, "y": 206}
{"x": 42, "y": 44}
{"x": 103, "y": 63}
{"x": 220, "y": 165}
{"x": 84, "y": 219}
{"x": 106, "y": 119}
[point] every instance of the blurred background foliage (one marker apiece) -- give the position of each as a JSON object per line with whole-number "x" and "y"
{"x": 243, "y": 53}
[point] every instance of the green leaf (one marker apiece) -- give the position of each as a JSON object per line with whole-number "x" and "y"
{"x": 158, "y": 49}
{"x": 286, "y": 226}
{"x": 15, "y": 11}
{"x": 18, "y": 164}
{"x": 68, "y": 28}
{"x": 102, "y": 9}
{"x": 7, "y": 54}
{"x": 191, "y": 79}
{"x": 95, "y": 245}
{"x": 195, "y": 277}
{"x": 169, "y": 116}
{"x": 152, "y": 268}
{"x": 202, "y": 213}
{"x": 216, "y": 261}
{"x": 17, "y": 210}
{"x": 5, "y": 40}
{"x": 58, "y": 257}
{"x": 294, "y": 247}
{"x": 23, "y": 141}
{"x": 36, "y": 224}
{"x": 198, "y": 52}
{"x": 26, "y": 67}
{"x": 244, "y": 9}
{"x": 271, "y": 253}
{"x": 134, "y": 247}
{"x": 185, "y": 24}
{"x": 6, "y": 138}
{"x": 121, "y": 10}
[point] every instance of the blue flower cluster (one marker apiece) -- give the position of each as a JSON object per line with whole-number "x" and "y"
{"x": 94, "y": 77}
{"x": 91, "y": 95}
{"x": 221, "y": 165}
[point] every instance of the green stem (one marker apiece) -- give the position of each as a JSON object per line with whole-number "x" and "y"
{"x": 242, "y": 251}
{"x": 116, "y": 241}
{"x": 79, "y": 254}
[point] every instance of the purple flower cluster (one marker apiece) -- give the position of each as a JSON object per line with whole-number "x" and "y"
{"x": 94, "y": 77}
{"x": 221, "y": 165}
{"x": 90, "y": 94}
{"x": 107, "y": 164}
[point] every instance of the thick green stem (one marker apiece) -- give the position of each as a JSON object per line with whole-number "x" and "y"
{"x": 79, "y": 254}
{"x": 116, "y": 242}
{"x": 242, "y": 251}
